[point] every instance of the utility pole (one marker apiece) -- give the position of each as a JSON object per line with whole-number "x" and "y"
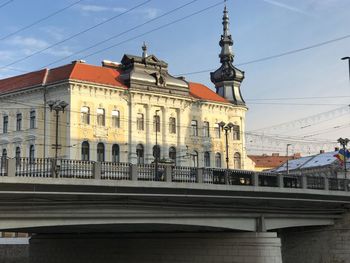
{"x": 348, "y": 59}
{"x": 57, "y": 106}
{"x": 344, "y": 143}
{"x": 288, "y": 158}
{"x": 227, "y": 128}
{"x": 157, "y": 147}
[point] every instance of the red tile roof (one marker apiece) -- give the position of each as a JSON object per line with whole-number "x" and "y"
{"x": 266, "y": 161}
{"x": 89, "y": 73}
{"x": 86, "y": 72}
{"x": 200, "y": 91}
{"x": 28, "y": 80}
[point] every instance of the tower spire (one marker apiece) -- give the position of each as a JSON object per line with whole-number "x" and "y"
{"x": 227, "y": 78}
{"x": 226, "y": 39}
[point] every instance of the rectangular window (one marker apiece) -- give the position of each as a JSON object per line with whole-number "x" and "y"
{"x": 116, "y": 118}
{"x": 140, "y": 121}
{"x": 5, "y": 124}
{"x": 156, "y": 123}
{"x": 32, "y": 119}
{"x": 194, "y": 128}
{"x": 236, "y": 133}
{"x": 206, "y": 129}
{"x": 172, "y": 125}
{"x": 85, "y": 115}
{"x": 217, "y": 129}
{"x": 100, "y": 117}
{"x": 19, "y": 121}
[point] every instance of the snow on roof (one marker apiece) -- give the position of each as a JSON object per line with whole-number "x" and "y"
{"x": 319, "y": 160}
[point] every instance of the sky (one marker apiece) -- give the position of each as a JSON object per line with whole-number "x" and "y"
{"x": 298, "y": 99}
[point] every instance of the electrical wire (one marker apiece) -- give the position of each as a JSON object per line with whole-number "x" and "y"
{"x": 6, "y": 3}
{"x": 121, "y": 33}
{"x": 76, "y": 34}
{"x": 39, "y": 21}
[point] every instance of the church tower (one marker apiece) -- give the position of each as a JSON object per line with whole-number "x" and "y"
{"x": 228, "y": 78}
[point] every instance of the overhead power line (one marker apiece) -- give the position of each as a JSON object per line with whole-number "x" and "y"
{"x": 287, "y": 53}
{"x": 40, "y": 20}
{"x": 6, "y": 3}
{"x": 155, "y": 29}
{"x": 121, "y": 33}
{"x": 76, "y": 34}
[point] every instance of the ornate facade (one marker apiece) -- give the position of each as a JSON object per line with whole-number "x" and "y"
{"x": 127, "y": 112}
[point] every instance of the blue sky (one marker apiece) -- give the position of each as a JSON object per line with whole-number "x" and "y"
{"x": 260, "y": 28}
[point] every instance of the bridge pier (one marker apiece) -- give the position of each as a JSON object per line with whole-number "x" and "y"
{"x": 330, "y": 244}
{"x": 160, "y": 247}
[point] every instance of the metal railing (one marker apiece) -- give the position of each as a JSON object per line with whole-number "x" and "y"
{"x": 64, "y": 168}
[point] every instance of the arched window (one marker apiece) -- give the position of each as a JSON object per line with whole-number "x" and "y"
{"x": 172, "y": 154}
{"x": 100, "y": 152}
{"x": 85, "y": 115}
{"x": 237, "y": 161}
{"x": 31, "y": 153}
{"x": 140, "y": 154}
{"x": 207, "y": 159}
{"x": 194, "y": 159}
{"x": 101, "y": 117}
{"x": 85, "y": 151}
{"x": 156, "y": 151}
{"x": 172, "y": 125}
{"x": 218, "y": 160}
{"x": 115, "y": 153}
{"x": 18, "y": 155}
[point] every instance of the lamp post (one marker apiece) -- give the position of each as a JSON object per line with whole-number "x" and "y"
{"x": 227, "y": 128}
{"x": 344, "y": 143}
{"x": 288, "y": 158}
{"x": 57, "y": 106}
{"x": 157, "y": 148}
{"x": 348, "y": 59}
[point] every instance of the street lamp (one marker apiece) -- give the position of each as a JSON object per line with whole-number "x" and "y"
{"x": 57, "y": 106}
{"x": 344, "y": 143}
{"x": 348, "y": 59}
{"x": 157, "y": 148}
{"x": 288, "y": 158}
{"x": 227, "y": 128}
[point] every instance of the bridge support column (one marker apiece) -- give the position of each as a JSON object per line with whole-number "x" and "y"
{"x": 162, "y": 248}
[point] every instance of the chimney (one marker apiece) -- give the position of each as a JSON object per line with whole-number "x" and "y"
{"x": 110, "y": 64}
{"x": 78, "y": 61}
{"x": 296, "y": 155}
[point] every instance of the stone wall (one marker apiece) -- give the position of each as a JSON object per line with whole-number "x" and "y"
{"x": 318, "y": 245}
{"x": 14, "y": 250}
{"x": 150, "y": 248}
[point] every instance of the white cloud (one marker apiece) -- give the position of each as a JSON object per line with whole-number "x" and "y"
{"x": 54, "y": 32}
{"x": 148, "y": 12}
{"x": 30, "y": 45}
{"x": 27, "y": 42}
{"x": 287, "y": 7}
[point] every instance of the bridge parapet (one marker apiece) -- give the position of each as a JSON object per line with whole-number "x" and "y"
{"x": 90, "y": 170}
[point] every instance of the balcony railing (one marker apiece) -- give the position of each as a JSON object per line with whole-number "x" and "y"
{"x": 89, "y": 170}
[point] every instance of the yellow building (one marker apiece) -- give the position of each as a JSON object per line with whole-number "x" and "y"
{"x": 120, "y": 112}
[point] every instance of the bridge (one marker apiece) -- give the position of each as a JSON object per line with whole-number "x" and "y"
{"x": 177, "y": 214}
